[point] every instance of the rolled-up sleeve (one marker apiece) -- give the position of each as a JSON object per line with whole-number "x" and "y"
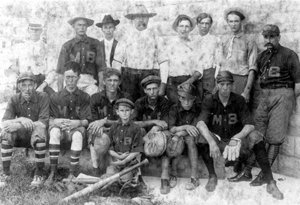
{"x": 252, "y": 55}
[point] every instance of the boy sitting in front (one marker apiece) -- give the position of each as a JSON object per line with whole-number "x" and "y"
{"x": 126, "y": 142}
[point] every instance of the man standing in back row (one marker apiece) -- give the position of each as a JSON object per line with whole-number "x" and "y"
{"x": 87, "y": 52}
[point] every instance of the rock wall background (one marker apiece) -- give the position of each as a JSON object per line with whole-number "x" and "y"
{"x": 14, "y": 16}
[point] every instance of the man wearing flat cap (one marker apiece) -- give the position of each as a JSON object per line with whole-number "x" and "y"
{"x": 278, "y": 69}
{"x": 226, "y": 126}
{"x": 209, "y": 52}
{"x": 31, "y": 56}
{"x": 108, "y": 44}
{"x": 152, "y": 110}
{"x": 138, "y": 54}
{"x": 24, "y": 124}
{"x": 180, "y": 55}
{"x": 87, "y": 52}
{"x": 239, "y": 54}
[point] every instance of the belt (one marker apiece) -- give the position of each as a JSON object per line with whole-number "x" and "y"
{"x": 276, "y": 86}
{"x": 137, "y": 71}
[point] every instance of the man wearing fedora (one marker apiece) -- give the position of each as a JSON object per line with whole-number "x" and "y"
{"x": 137, "y": 57}
{"x": 87, "y": 52}
{"x": 108, "y": 44}
{"x": 31, "y": 56}
{"x": 239, "y": 55}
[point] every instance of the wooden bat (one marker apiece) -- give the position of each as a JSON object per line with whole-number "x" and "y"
{"x": 103, "y": 182}
{"x": 82, "y": 180}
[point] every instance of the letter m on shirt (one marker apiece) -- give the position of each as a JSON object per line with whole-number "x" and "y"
{"x": 217, "y": 120}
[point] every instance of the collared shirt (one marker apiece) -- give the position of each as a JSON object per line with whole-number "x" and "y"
{"x": 181, "y": 56}
{"x": 101, "y": 106}
{"x": 86, "y": 52}
{"x": 144, "y": 112}
{"x": 108, "y": 47}
{"x": 36, "y": 109}
{"x": 278, "y": 66}
{"x": 225, "y": 121}
{"x": 208, "y": 50}
{"x": 31, "y": 57}
{"x": 178, "y": 116}
{"x": 138, "y": 50}
{"x": 73, "y": 106}
{"x": 243, "y": 56}
{"x": 126, "y": 137}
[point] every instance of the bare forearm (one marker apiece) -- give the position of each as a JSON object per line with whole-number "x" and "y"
{"x": 147, "y": 123}
{"x": 194, "y": 77}
{"x": 113, "y": 154}
{"x": 244, "y": 132}
{"x": 250, "y": 81}
{"x": 202, "y": 127}
{"x": 130, "y": 157}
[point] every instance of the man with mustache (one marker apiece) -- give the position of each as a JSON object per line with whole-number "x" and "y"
{"x": 87, "y": 52}
{"x": 137, "y": 57}
{"x": 239, "y": 54}
{"x": 278, "y": 69}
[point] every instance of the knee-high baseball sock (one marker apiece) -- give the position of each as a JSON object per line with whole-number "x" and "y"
{"x": 74, "y": 161}
{"x": 6, "y": 154}
{"x": 40, "y": 151}
{"x": 250, "y": 163}
{"x": 54, "y": 150}
{"x": 263, "y": 161}
{"x": 209, "y": 162}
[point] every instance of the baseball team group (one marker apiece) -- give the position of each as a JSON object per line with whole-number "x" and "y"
{"x": 198, "y": 96}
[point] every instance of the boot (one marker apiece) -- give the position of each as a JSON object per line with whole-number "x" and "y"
{"x": 193, "y": 184}
{"x": 240, "y": 177}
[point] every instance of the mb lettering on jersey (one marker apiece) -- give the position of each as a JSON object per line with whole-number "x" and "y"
{"x": 231, "y": 117}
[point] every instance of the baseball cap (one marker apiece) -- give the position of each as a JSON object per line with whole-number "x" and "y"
{"x": 225, "y": 76}
{"x": 270, "y": 29}
{"x": 26, "y": 76}
{"x": 125, "y": 102}
{"x": 150, "y": 79}
{"x": 187, "y": 90}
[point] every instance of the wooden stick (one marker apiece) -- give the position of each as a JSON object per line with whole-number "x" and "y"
{"x": 103, "y": 182}
{"x": 82, "y": 180}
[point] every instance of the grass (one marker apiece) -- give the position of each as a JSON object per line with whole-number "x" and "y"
{"x": 18, "y": 191}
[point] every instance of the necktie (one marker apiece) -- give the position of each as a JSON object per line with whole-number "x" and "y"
{"x": 230, "y": 47}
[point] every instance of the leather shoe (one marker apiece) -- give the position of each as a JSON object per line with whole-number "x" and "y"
{"x": 165, "y": 186}
{"x": 240, "y": 177}
{"x": 212, "y": 183}
{"x": 258, "y": 181}
{"x": 274, "y": 191}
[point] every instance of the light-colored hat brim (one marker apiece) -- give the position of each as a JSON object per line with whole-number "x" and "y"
{"x": 89, "y": 22}
{"x": 174, "y": 26}
{"x": 147, "y": 15}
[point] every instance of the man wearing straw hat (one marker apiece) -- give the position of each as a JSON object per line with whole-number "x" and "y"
{"x": 138, "y": 55}
{"x": 87, "y": 52}
{"x": 108, "y": 44}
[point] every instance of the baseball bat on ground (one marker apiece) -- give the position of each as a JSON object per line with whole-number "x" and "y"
{"x": 103, "y": 182}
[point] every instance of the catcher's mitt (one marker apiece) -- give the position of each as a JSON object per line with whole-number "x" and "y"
{"x": 175, "y": 146}
{"x": 155, "y": 144}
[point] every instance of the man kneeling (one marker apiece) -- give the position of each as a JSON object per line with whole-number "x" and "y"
{"x": 226, "y": 124}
